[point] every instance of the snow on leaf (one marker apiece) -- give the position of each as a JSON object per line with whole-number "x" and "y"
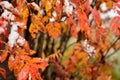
{"x": 34, "y": 6}
{"x": 7, "y": 15}
{"x": 13, "y": 35}
{"x": 68, "y": 8}
{"x": 6, "y": 4}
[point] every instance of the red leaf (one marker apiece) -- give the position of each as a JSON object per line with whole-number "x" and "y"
{"x": 72, "y": 24}
{"x": 115, "y": 24}
{"x": 1, "y": 21}
{"x": 84, "y": 24}
{"x": 76, "y": 2}
{"x": 3, "y": 72}
{"x": 96, "y": 16}
{"x": 100, "y": 33}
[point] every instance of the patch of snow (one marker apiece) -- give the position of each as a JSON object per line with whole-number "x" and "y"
{"x": 42, "y": 12}
{"x": 88, "y": 48}
{"x": 109, "y": 14}
{"x": 5, "y": 23}
{"x": 103, "y": 7}
{"x": 35, "y": 5}
{"x": 7, "y": 15}
{"x": 51, "y": 19}
{"x": 68, "y": 8}
{"x": 6, "y": 4}
{"x": 54, "y": 14}
{"x": 20, "y": 40}
{"x": 13, "y": 35}
{"x": 12, "y": 38}
{"x": 63, "y": 18}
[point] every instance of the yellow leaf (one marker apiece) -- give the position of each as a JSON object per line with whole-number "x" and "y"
{"x": 54, "y": 29}
{"x": 36, "y": 25}
{"x": 48, "y": 5}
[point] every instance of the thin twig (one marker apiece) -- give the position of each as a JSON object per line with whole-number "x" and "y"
{"x": 112, "y": 53}
{"x": 110, "y": 48}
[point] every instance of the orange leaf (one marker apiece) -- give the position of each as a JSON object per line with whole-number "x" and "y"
{"x": 54, "y": 29}
{"x": 36, "y": 25}
{"x": 3, "y": 56}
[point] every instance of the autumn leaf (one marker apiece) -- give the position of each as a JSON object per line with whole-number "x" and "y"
{"x": 12, "y": 62}
{"x": 100, "y": 32}
{"x": 53, "y": 29}
{"x": 3, "y": 55}
{"x": 96, "y": 16}
{"x": 54, "y": 56}
{"x": 72, "y": 25}
{"x": 115, "y": 22}
{"x": 36, "y": 25}
{"x": 3, "y": 72}
{"x": 31, "y": 69}
{"x": 84, "y": 24}
{"x": 48, "y": 5}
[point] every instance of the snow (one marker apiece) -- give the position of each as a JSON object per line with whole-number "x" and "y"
{"x": 6, "y": 4}
{"x": 88, "y": 48}
{"x": 7, "y": 15}
{"x": 109, "y": 14}
{"x": 68, "y": 8}
{"x": 14, "y": 36}
{"x": 63, "y": 18}
{"x": 51, "y": 19}
{"x": 103, "y": 7}
{"x": 54, "y": 14}
{"x": 42, "y": 12}
{"x": 20, "y": 40}
{"x": 35, "y": 5}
